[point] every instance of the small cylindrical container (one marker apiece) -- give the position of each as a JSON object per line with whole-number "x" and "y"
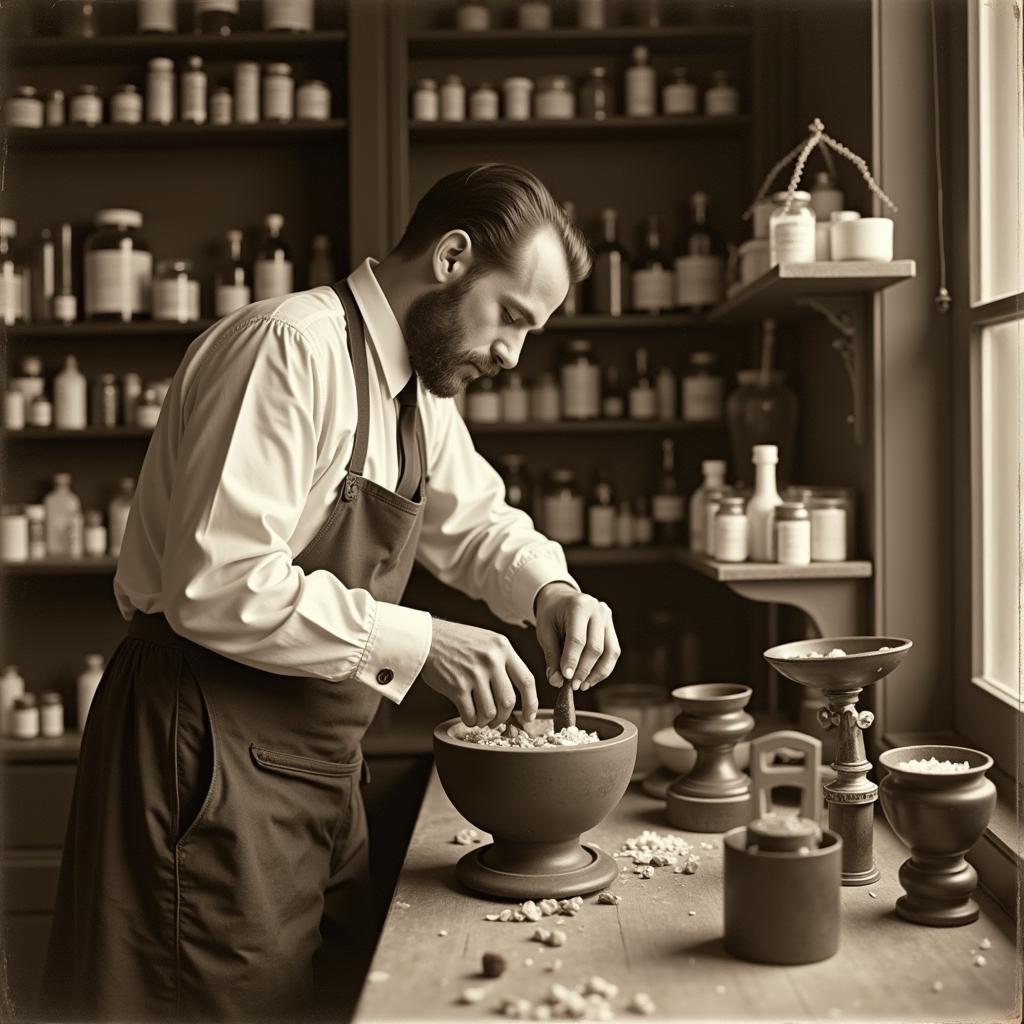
{"x": 40, "y": 413}
{"x": 731, "y": 530}
{"x": 641, "y": 85}
{"x": 484, "y": 104}
{"x": 56, "y": 108}
{"x": 518, "y": 95}
{"x": 71, "y": 397}
{"x": 562, "y": 508}
{"x": 160, "y": 98}
{"x": 703, "y": 390}
{"x": 106, "y": 402}
{"x": 86, "y": 106}
{"x": 13, "y": 534}
{"x": 545, "y": 399}
{"x": 863, "y": 238}
{"x": 828, "y": 530}
{"x": 131, "y": 392}
{"x": 473, "y": 16}
{"x": 147, "y": 412}
{"x": 51, "y": 715}
{"x": 581, "y": 383}
{"x": 313, "y": 101}
{"x": 534, "y": 15}
{"x": 12, "y": 685}
{"x": 126, "y": 105}
{"x": 94, "y": 538}
{"x": 679, "y": 94}
{"x": 453, "y": 99}
{"x": 792, "y": 526}
{"x": 288, "y": 15}
{"x": 193, "y": 92}
{"x": 712, "y": 503}
{"x": 14, "y": 410}
{"x": 591, "y": 14}
{"x": 826, "y": 197}
{"x": 24, "y": 717}
{"x": 278, "y": 93}
{"x": 426, "y": 101}
{"x": 722, "y": 98}
{"x": 156, "y": 15}
{"x": 791, "y": 235}
{"x": 515, "y": 399}
{"x": 36, "y": 516}
{"x": 597, "y": 97}
{"x": 175, "y": 292}
{"x": 25, "y": 109}
{"x": 483, "y": 402}
{"x": 247, "y": 92}
{"x": 222, "y": 106}
{"x": 118, "y": 267}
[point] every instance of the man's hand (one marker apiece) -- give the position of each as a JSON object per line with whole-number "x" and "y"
{"x": 577, "y": 636}
{"x": 479, "y": 672}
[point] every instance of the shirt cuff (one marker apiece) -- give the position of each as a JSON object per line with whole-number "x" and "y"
{"x": 394, "y": 655}
{"x": 529, "y": 574}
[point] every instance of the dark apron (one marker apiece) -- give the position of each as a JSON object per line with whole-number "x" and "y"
{"x": 216, "y": 859}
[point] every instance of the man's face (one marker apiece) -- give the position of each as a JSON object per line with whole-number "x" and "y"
{"x": 477, "y": 325}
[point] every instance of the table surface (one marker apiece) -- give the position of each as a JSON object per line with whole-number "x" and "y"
{"x": 885, "y": 969}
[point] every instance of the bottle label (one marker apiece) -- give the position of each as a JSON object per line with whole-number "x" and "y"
{"x": 563, "y": 519}
{"x": 272, "y": 278}
{"x": 730, "y": 543}
{"x": 652, "y": 289}
{"x": 118, "y": 281}
{"x": 667, "y": 508}
{"x": 11, "y": 292}
{"x": 643, "y": 403}
{"x": 792, "y": 240}
{"x": 702, "y": 398}
{"x": 641, "y": 92}
{"x": 793, "y": 542}
{"x": 290, "y": 15}
{"x": 601, "y": 524}
{"x": 581, "y": 391}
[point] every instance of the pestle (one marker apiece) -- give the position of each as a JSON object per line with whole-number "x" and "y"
{"x": 565, "y": 708}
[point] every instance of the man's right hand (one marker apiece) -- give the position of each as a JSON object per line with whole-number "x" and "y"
{"x": 479, "y": 672}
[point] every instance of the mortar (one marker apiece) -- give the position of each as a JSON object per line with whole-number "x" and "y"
{"x": 535, "y": 803}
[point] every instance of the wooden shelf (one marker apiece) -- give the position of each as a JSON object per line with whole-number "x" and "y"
{"x": 177, "y": 134}
{"x": 131, "y": 49}
{"x": 738, "y": 572}
{"x": 60, "y": 567}
{"x": 697, "y": 126}
{"x": 107, "y": 329}
{"x": 617, "y": 39}
{"x": 614, "y": 558}
{"x": 623, "y": 426}
{"x": 626, "y": 322}
{"x": 88, "y": 434}
{"x": 774, "y": 294}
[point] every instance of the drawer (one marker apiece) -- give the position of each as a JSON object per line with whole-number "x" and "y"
{"x": 38, "y": 800}
{"x": 25, "y": 937}
{"x": 30, "y": 881}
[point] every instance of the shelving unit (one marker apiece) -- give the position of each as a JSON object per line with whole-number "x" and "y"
{"x": 86, "y": 329}
{"x": 123, "y": 136}
{"x": 577, "y": 130}
{"x": 87, "y": 434}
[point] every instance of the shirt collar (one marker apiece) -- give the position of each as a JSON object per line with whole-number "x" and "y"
{"x": 388, "y": 339}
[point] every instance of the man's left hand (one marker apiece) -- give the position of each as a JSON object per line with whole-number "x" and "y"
{"x": 577, "y": 636}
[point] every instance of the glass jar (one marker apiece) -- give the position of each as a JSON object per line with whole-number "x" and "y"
{"x": 126, "y": 105}
{"x": 518, "y": 93}
{"x": 426, "y": 101}
{"x": 473, "y": 16}
{"x": 118, "y": 267}
{"x": 483, "y": 103}
{"x": 87, "y": 106}
{"x": 40, "y": 413}
{"x": 562, "y": 507}
{"x": 36, "y": 516}
{"x": 545, "y": 399}
{"x": 791, "y": 232}
{"x": 597, "y": 97}
{"x": 483, "y": 403}
{"x": 14, "y": 410}
{"x": 56, "y": 113}
{"x": 761, "y": 411}
{"x": 722, "y": 98}
{"x": 313, "y": 101}
{"x": 703, "y": 389}
{"x": 156, "y": 16}
{"x": 51, "y": 715}
{"x": 581, "y": 382}
{"x": 147, "y": 412}
{"x": 731, "y": 531}
{"x": 24, "y": 717}
{"x": 193, "y": 92}
{"x": 175, "y": 292}
{"x": 160, "y": 98}
{"x": 222, "y": 106}
{"x": 25, "y": 109}
{"x": 247, "y": 92}
{"x": 518, "y": 485}
{"x": 288, "y": 15}
{"x": 712, "y": 503}
{"x": 515, "y": 401}
{"x": 534, "y": 15}
{"x": 453, "y": 99}
{"x": 278, "y": 93}
{"x": 590, "y": 14}
{"x": 13, "y": 534}
{"x": 555, "y": 100}
{"x": 95, "y": 538}
{"x": 792, "y": 526}
{"x": 106, "y": 402}
{"x": 828, "y": 530}
{"x": 12, "y": 276}
{"x": 679, "y": 94}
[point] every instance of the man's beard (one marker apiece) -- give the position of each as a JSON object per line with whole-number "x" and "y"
{"x": 435, "y": 335}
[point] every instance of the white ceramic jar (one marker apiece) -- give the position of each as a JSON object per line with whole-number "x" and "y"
{"x": 863, "y": 238}
{"x": 313, "y": 101}
{"x": 554, "y": 99}
{"x": 518, "y": 93}
{"x": 426, "y": 101}
{"x": 25, "y": 109}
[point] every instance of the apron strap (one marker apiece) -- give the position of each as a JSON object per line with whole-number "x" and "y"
{"x": 357, "y": 351}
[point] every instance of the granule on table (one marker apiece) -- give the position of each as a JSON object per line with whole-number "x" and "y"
{"x": 937, "y": 986}
{"x": 401, "y": 905}
{"x": 979, "y": 961}
{"x": 644, "y": 870}
{"x": 720, "y": 990}
{"x": 472, "y": 995}
{"x": 375, "y": 977}
{"x": 985, "y": 944}
{"x": 466, "y": 837}
{"x": 528, "y": 962}
{"x": 443, "y": 932}
{"x": 692, "y": 913}
{"x": 642, "y": 1003}
{"x": 873, "y": 895}
{"x": 609, "y": 898}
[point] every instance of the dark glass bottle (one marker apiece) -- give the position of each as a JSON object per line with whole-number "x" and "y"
{"x": 609, "y": 281}
{"x": 699, "y": 239}
{"x": 652, "y": 276}
{"x": 667, "y": 502}
{"x": 613, "y": 395}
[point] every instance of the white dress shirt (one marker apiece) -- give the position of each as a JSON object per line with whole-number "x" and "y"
{"x": 252, "y": 444}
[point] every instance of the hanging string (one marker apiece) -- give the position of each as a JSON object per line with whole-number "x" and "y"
{"x": 943, "y": 300}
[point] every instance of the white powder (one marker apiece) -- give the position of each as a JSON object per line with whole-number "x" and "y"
{"x": 836, "y": 652}
{"x": 541, "y": 734}
{"x": 934, "y": 767}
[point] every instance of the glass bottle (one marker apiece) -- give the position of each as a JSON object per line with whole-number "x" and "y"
{"x": 731, "y": 543}
{"x": 641, "y": 85}
{"x": 545, "y": 399}
{"x": 609, "y": 282}
{"x": 590, "y": 14}
{"x": 665, "y": 389}
{"x": 562, "y": 506}
{"x": 762, "y": 410}
{"x": 713, "y": 472}
{"x": 699, "y": 266}
{"x": 65, "y": 302}
{"x": 278, "y": 93}
{"x": 703, "y": 389}
{"x": 679, "y": 95}
{"x": 117, "y": 514}
{"x": 273, "y": 270}
{"x": 643, "y": 527}
{"x": 62, "y": 506}
{"x": 426, "y": 101}
{"x": 193, "y": 92}
{"x": 231, "y": 289}
{"x": 534, "y": 15}
{"x": 95, "y": 538}
{"x": 651, "y": 279}
{"x": 597, "y": 97}
{"x": 12, "y": 288}
{"x": 51, "y": 715}
{"x": 215, "y": 17}
{"x": 792, "y": 528}
{"x": 515, "y": 400}
{"x": 722, "y": 98}
{"x": 791, "y": 233}
{"x": 453, "y": 99}
{"x": 156, "y": 16}
{"x": 321, "y": 263}
{"x": 667, "y": 502}
{"x": 643, "y": 400}
{"x": 483, "y": 402}
{"x": 613, "y": 395}
{"x": 518, "y": 485}
{"x": 175, "y": 292}
{"x": 473, "y": 16}
{"x": 70, "y": 397}
{"x": 624, "y": 533}
{"x": 147, "y": 412}
{"x": 826, "y": 197}
{"x": 118, "y": 267}
{"x": 581, "y": 383}
{"x": 601, "y": 513}
{"x": 762, "y": 505}
{"x": 86, "y": 685}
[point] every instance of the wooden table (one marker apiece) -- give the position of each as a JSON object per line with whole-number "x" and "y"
{"x": 885, "y": 969}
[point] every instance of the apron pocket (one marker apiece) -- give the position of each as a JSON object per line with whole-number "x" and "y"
{"x": 195, "y": 755}
{"x": 294, "y": 764}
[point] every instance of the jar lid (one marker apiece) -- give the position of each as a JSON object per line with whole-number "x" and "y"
{"x": 127, "y": 87}
{"x": 25, "y": 701}
{"x": 9, "y": 229}
{"x": 118, "y": 218}
{"x": 815, "y": 502}
{"x": 62, "y": 478}
{"x": 426, "y": 83}
{"x": 94, "y": 517}
{"x": 799, "y": 196}
{"x": 712, "y": 466}
{"x": 791, "y": 510}
{"x": 50, "y": 697}
{"x": 313, "y": 83}
{"x": 195, "y": 62}
{"x": 838, "y": 216}
{"x": 453, "y": 80}
{"x": 733, "y": 503}
{"x": 87, "y": 90}
{"x": 562, "y": 475}
{"x": 766, "y": 453}
{"x": 161, "y": 64}
{"x": 548, "y": 82}
{"x": 518, "y": 82}
{"x": 279, "y": 68}
{"x": 26, "y": 91}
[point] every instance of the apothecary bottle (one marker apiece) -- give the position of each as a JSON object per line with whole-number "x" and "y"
{"x": 515, "y": 400}
{"x": 601, "y": 513}
{"x": 222, "y": 106}
{"x": 792, "y": 527}
{"x": 247, "y": 92}
{"x": 668, "y": 506}
{"x": 313, "y": 101}
{"x": 679, "y": 94}
{"x": 545, "y": 399}
{"x": 51, "y": 715}
{"x": 77, "y": 19}
{"x": 581, "y": 382}
{"x": 86, "y": 106}
{"x": 288, "y": 15}
{"x": 534, "y": 15}
{"x": 597, "y": 97}
{"x": 193, "y": 92}
{"x": 652, "y": 280}
{"x": 703, "y": 389}
{"x": 24, "y": 720}
{"x": 156, "y": 16}
{"x": 231, "y": 289}
{"x": 791, "y": 232}
{"x": 118, "y": 267}
{"x": 828, "y": 529}
{"x": 147, "y": 412}
{"x": 484, "y": 104}
{"x": 722, "y": 99}
{"x": 731, "y": 530}
{"x": 562, "y": 505}
{"x": 25, "y": 109}
{"x": 426, "y": 101}
{"x": 554, "y": 99}
{"x": 643, "y": 399}
{"x": 175, "y": 292}
{"x": 117, "y": 514}
{"x": 473, "y": 16}
{"x": 273, "y": 271}
{"x": 62, "y": 507}
{"x": 590, "y": 14}
{"x": 160, "y": 98}
{"x": 70, "y": 397}
{"x": 518, "y": 485}
{"x": 278, "y": 93}
{"x": 641, "y": 85}
{"x": 518, "y": 94}
{"x": 609, "y": 282}
{"x": 56, "y": 112}
{"x": 483, "y": 402}
{"x": 12, "y": 276}
{"x": 762, "y": 410}
{"x": 95, "y": 534}
{"x": 215, "y": 17}
{"x": 126, "y": 105}
{"x": 453, "y": 99}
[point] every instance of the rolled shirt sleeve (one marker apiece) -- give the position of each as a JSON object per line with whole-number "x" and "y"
{"x": 472, "y": 538}
{"x": 250, "y": 428}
